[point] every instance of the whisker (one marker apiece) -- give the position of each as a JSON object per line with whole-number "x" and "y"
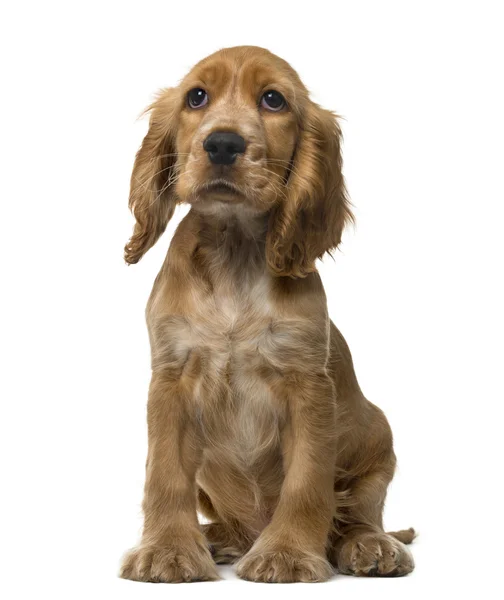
{"x": 291, "y": 167}
{"x": 172, "y": 178}
{"x": 142, "y": 184}
{"x": 278, "y": 190}
{"x": 282, "y": 177}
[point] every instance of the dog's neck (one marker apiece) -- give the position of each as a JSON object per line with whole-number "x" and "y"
{"x": 232, "y": 238}
{"x": 237, "y": 217}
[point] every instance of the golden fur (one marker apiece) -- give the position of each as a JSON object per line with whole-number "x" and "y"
{"x": 255, "y": 416}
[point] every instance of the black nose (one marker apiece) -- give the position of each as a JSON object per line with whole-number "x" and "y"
{"x": 223, "y": 146}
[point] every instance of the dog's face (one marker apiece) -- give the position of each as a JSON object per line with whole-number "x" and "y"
{"x": 237, "y": 130}
{"x": 240, "y": 131}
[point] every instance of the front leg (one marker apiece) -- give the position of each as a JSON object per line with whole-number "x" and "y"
{"x": 172, "y": 548}
{"x": 293, "y": 546}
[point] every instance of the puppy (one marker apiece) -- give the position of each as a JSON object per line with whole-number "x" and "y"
{"x": 255, "y": 416}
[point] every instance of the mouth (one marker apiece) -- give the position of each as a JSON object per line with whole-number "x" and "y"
{"x": 221, "y": 187}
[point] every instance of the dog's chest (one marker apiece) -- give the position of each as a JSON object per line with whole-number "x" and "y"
{"x": 224, "y": 345}
{"x": 231, "y": 313}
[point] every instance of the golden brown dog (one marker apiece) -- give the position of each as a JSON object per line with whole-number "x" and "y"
{"x": 255, "y": 416}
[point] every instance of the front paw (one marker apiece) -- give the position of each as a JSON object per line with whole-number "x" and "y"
{"x": 283, "y": 566}
{"x": 169, "y": 563}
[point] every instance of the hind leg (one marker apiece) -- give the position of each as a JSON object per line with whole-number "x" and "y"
{"x": 227, "y": 541}
{"x": 227, "y": 544}
{"x": 359, "y": 546}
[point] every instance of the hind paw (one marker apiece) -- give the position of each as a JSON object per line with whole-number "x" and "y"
{"x": 374, "y": 555}
{"x": 224, "y": 547}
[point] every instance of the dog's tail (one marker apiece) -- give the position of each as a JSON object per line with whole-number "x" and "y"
{"x": 406, "y": 536}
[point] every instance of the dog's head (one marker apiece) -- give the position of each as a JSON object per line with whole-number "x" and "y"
{"x": 240, "y": 131}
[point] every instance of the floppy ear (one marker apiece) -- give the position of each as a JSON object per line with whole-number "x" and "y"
{"x": 310, "y": 219}
{"x": 152, "y": 200}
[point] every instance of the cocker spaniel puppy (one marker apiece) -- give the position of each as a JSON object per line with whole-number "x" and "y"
{"x": 255, "y": 416}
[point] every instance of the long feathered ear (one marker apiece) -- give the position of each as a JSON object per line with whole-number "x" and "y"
{"x": 152, "y": 199}
{"x": 310, "y": 220}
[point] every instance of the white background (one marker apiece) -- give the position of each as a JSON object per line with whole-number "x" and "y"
{"x": 416, "y": 288}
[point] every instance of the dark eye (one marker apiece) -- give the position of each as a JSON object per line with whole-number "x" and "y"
{"x": 197, "y": 98}
{"x": 272, "y": 100}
